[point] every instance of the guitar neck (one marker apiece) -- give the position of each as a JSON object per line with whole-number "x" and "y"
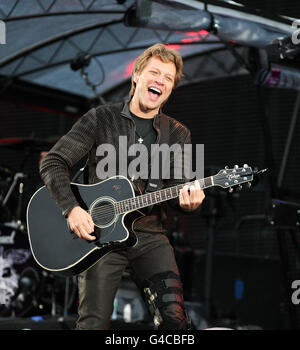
{"x": 162, "y": 195}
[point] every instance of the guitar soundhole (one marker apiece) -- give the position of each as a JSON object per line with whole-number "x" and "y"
{"x": 103, "y": 213}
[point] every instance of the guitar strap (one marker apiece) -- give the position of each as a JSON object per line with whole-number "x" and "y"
{"x": 155, "y": 183}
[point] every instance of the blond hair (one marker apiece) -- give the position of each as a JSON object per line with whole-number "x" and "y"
{"x": 165, "y": 54}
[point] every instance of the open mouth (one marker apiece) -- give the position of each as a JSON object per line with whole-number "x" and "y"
{"x": 154, "y": 92}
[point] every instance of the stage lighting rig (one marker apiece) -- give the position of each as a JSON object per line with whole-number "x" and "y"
{"x": 279, "y": 76}
{"x": 86, "y": 62}
{"x": 284, "y": 49}
{"x": 80, "y": 61}
{"x": 283, "y": 70}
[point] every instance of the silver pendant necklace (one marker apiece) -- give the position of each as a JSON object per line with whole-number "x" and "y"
{"x": 140, "y": 139}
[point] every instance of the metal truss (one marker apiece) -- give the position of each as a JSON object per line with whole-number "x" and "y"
{"x": 28, "y": 60}
{"x": 40, "y": 8}
{"x": 98, "y": 31}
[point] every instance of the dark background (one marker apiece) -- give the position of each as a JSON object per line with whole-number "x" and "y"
{"x": 225, "y": 116}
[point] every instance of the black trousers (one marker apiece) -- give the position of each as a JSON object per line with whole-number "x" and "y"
{"x": 152, "y": 256}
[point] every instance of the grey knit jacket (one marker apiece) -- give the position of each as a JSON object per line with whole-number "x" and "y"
{"x": 104, "y": 124}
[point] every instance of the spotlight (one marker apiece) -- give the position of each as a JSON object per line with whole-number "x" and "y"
{"x": 80, "y": 61}
{"x": 283, "y": 48}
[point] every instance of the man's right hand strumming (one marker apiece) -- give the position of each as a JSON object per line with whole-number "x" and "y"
{"x": 81, "y": 223}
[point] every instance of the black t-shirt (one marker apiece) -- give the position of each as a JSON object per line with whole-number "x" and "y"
{"x": 145, "y": 130}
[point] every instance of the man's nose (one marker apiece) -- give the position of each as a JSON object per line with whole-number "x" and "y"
{"x": 159, "y": 80}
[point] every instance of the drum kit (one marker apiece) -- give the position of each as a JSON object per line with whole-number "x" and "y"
{"x": 25, "y": 288}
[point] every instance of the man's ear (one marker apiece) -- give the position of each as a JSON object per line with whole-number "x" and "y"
{"x": 136, "y": 76}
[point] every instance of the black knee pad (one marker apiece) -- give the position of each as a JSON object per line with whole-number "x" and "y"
{"x": 164, "y": 296}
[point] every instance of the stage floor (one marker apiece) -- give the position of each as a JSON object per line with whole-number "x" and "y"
{"x": 59, "y": 323}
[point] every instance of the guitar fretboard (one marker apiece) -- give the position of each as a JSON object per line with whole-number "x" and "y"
{"x": 162, "y": 195}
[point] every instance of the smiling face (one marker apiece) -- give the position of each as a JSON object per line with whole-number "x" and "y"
{"x": 154, "y": 85}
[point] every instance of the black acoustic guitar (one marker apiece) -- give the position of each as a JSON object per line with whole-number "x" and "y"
{"x": 114, "y": 208}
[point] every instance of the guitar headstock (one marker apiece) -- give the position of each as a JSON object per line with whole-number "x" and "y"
{"x": 236, "y": 176}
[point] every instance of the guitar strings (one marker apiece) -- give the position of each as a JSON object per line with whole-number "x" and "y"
{"x": 109, "y": 209}
{"x": 113, "y": 208}
{"x": 106, "y": 210}
{"x": 138, "y": 199}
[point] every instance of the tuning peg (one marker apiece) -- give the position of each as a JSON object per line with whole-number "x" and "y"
{"x": 236, "y": 167}
{"x": 230, "y": 189}
{"x": 249, "y": 184}
{"x": 226, "y": 167}
{"x": 240, "y": 187}
{"x": 245, "y": 166}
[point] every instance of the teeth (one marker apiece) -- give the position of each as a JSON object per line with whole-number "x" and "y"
{"x": 154, "y": 89}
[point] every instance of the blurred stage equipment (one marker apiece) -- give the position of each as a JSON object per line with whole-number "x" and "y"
{"x": 278, "y": 76}
{"x": 129, "y": 305}
{"x": 284, "y": 49}
{"x": 82, "y": 61}
{"x": 24, "y": 287}
{"x": 26, "y": 143}
{"x": 213, "y": 208}
{"x": 167, "y": 15}
{"x": 16, "y": 178}
{"x": 232, "y": 26}
{"x": 15, "y": 181}
{"x": 198, "y": 268}
{"x": 279, "y": 43}
{"x": 15, "y": 258}
{"x": 130, "y": 308}
{"x": 6, "y": 176}
{"x": 284, "y": 216}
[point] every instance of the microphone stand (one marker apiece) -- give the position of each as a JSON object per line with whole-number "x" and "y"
{"x": 17, "y": 176}
{"x": 212, "y": 211}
